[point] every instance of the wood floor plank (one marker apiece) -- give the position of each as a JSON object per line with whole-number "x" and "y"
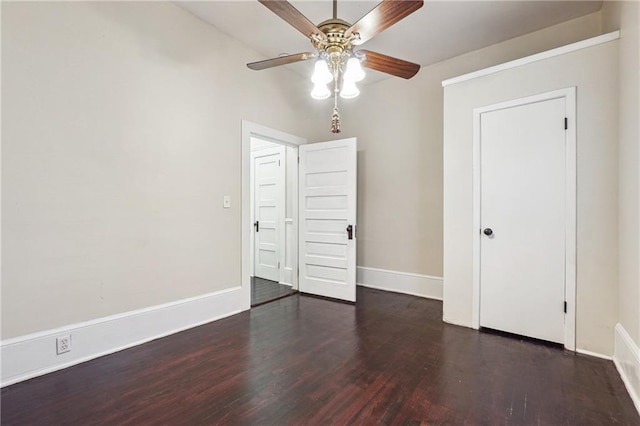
{"x": 390, "y": 360}
{"x": 264, "y": 291}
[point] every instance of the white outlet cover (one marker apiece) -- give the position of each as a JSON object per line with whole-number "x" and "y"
{"x": 63, "y": 344}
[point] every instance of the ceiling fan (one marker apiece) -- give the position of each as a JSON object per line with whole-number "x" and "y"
{"x": 334, "y": 41}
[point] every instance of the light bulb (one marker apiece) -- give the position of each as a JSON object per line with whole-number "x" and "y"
{"x": 320, "y": 91}
{"x": 354, "y": 71}
{"x": 349, "y": 89}
{"x": 321, "y": 73}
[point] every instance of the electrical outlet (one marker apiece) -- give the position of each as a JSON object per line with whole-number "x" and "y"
{"x": 63, "y": 344}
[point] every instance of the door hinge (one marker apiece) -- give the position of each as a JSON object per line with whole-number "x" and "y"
{"x": 566, "y": 123}
{"x": 298, "y": 160}
{"x": 278, "y": 163}
{"x": 278, "y": 265}
{"x": 565, "y": 307}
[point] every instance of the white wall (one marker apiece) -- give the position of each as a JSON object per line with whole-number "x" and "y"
{"x": 121, "y": 134}
{"x": 595, "y": 73}
{"x": 399, "y": 128}
{"x": 625, "y": 16}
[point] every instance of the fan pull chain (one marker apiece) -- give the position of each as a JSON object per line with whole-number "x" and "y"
{"x": 335, "y": 117}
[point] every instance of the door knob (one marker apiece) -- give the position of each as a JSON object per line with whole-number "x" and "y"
{"x": 488, "y": 231}
{"x": 350, "y": 232}
{"x": 257, "y": 225}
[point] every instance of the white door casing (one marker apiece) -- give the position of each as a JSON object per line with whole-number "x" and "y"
{"x": 327, "y": 187}
{"x": 268, "y": 203}
{"x": 525, "y": 193}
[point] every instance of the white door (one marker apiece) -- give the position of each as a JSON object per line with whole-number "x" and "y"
{"x": 522, "y": 196}
{"x": 268, "y": 182}
{"x": 327, "y": 249}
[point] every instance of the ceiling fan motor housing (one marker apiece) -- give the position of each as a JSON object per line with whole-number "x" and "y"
{"x": 336, "y": 43}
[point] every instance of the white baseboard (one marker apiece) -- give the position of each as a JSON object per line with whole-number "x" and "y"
{"x": 594, "y": 354}
{"x": 34, "y": 354}
{"x": 400, "y": 282}
{"x": 627, "y": 361}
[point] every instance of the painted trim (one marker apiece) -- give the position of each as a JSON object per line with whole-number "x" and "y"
{"x": 583, "y": 44}
{"x": 282, "y": 198}
{"x": 570, "y": 204}
{"x": 296, "y": 224}
{"x": 594, "y": 354}
{"x": 34, "y": 354}
{"x": 267, "y": 145}
{"x": 571, "y": 217}
{"x": 289, "y": 253}
{"x": 249, "y": 130}
{"x": 400, "y": 282}
{"x": 627, "y": 360}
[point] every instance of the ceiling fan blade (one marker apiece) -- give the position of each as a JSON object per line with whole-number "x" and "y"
{"x": 384, "y": 15}
{"x": 387, "y": 64}
{"x": 282, "y": 60}
{"x": 291, "y": 15}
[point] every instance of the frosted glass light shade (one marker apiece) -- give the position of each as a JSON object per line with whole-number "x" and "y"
{"x": 321, "y": 73}
{"x": 349, "y": 89}
{"x": 354, "y": 71}
{"x": 320, "y": 91}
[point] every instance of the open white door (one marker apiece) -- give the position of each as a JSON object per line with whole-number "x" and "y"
{"x": 327, "y": 249}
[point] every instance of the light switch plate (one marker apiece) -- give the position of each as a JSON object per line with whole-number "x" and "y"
{"x": 226, "y": 202}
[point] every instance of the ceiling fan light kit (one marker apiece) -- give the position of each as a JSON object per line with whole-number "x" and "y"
{"x": 349, "y": 90}
{"x": 320, "y": 91}
{"x": 321, "y": 73}
{"x": 322, "y": 77}
{"x": 354, "y": 71}
{"x": 334, "y": 40}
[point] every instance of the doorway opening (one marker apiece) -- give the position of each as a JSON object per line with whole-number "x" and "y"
{"x": 273, "y": 206}
{"x": 298, "y": 216}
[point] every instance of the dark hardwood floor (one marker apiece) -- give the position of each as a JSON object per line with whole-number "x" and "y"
{"x": 302, "y": 360}
{"x": 263, "y": 291}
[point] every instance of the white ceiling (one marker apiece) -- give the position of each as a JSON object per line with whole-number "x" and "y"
{"x": 438, "y": 31}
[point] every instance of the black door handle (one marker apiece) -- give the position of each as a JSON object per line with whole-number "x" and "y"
{"x": 488, "y": 231}
{"x": 257, "y": 225}
{"x": 350, "y": 232}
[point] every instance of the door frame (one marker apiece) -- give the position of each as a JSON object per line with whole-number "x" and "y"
{"x": 569, "y": 94}
{"x": 249, "y": 130}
